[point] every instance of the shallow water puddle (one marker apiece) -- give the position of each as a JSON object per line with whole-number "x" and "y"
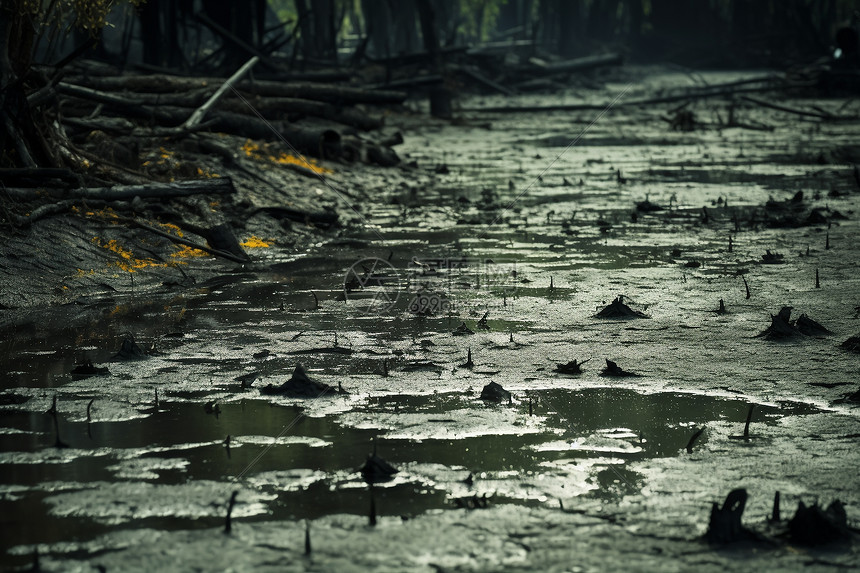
{"x": 171, "y": 469}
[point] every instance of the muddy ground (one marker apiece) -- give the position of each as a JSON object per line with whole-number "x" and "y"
{"x": 500, "y": 235}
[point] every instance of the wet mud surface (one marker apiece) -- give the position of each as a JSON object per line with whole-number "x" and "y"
{"x": 495, "y": 268}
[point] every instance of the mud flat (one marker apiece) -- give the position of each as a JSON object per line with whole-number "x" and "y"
{"x": 494, "y": 268}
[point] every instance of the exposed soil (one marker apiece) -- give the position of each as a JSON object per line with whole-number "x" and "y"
{"x": 437, "y": 283}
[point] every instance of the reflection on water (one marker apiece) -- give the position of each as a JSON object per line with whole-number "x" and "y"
{"x": 578, "y": 442}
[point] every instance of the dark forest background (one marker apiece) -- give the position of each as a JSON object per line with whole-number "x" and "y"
{"x": 195, "y": 34}
{"x": 394, "y": 44}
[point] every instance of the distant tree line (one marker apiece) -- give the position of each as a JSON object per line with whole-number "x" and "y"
{"x": 179, "y": 33}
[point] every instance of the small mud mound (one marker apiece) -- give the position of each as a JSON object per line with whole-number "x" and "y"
{"x": 852, "y": 344}
{"x": 614, "y": 370}
{"x": 463, "y": 330}
{"x": 300, "y": 385}
{"x": 849, "y": 398}
{"x": 493, "y": 392}
{"x": 810, "y": 327}
{"x": 130, "y": 351}
{"x": 769, "y": 258}
{"x": 377, "y": 470}
{"x": 572, "y": 367}
{"x": 783, "y": 328}
{"x": 796, "y": 212}
{"x": 618, "y": 309}
{"x": 87, "y": 370}
{"x": 647, "y": 206}
{"x": 815, "y": 526}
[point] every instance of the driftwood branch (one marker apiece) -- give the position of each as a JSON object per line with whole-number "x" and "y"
{"x": 796, "y": 111}
{"x": 182, "y": 241}
{"x": 306, "y": 90}
{"x": 40, "y": 212}
{"x": 200, "y": 112}
{"x": 215, "y": 186}
{"x": 704, "y": 93}
{"x": 578, "y": 64}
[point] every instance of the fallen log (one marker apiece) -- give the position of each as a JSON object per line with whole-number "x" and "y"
{"x": 145, "y": 83}
{"x": 168, "y": 107}
{"x": 96, "y": 95}
{"x": 319, "y": 142}
{"x": 201, "y": 112}
{"x": 794, "y": 110}
{"x": 705, "y": 93}
{"x": 316, "y": 141}
{"x": 305, "y": 90}
{"x": 499, "y": 48}
{"x": 232, "y": 159}
{"x": 214, "y": 186}
{"x": 577, "y": 64}
{"x": 323, "y": 92}
{"x": 115, "y": 125}
{"x": 355, "y": 149}
{"x": 190, "y": 98}
{"x": 408, "y": 83}
{"x": 321, "y": 76}
{"x": 128, "y": 105}
{"x": 290, "y": 108}
{"x": 40, "y": 212}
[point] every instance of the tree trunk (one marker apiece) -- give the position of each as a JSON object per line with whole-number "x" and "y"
{"x": 378, "y": 24}
{"x": 571, "y": 18}
{"x": 21, "y": 143}
{"x": 428, "y": 31}
{"x": 405, "y": 32}
{"x": 602, "y": 20}
{"x": 149, "y": 32}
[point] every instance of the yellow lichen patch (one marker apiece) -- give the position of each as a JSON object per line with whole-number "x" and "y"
{"x": 170, "y": 228}
{"x": 127, "y": 261}
{"x": 256, "y": 243}
{"x": 161, "y": 161}
{"x": 106, "y": 213}
{"x": 286, "y": 159}
{"x": 252, "y": 149}
{"x": 120, "y": 310}
{"x": 185, "y": 252}
{"x": 206, "y": 173}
